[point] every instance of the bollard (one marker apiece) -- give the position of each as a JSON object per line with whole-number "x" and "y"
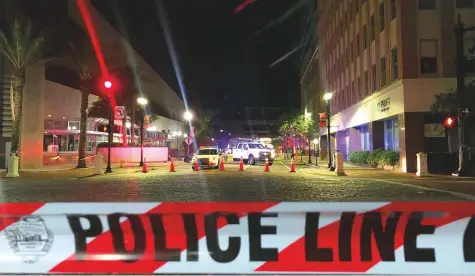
{"x": 339, "y": 170}
{"x": 122, "y": 163}
{"x": 13, "y": 166}
{"x": 422, "y": 164}
{"x": 99, "y": 164}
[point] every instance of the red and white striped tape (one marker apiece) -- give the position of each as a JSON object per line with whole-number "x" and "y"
{"x": 257, "y": 237}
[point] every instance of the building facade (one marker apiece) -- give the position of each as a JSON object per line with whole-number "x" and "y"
{"x": 384, "y": 61}
{"x": 51, "y": 108}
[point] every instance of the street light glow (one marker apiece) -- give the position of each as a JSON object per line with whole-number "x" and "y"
{"x": 188, "y": 116}
{"x": 185, "y": 135}
{"x": 142, "y": 101}
{"x": 328, "y": 96}
{"x": 315, "y": 141}
{"x": 128, "y": 125}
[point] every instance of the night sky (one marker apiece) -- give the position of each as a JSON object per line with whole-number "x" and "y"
{"x": 222, "y": 59}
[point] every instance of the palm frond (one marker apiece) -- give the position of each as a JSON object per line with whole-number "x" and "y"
{"x": 22, "y": 47}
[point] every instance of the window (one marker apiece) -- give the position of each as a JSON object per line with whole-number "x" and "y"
{"x": 372, "y": 27}
{"x": 428, "y": 56}
{"x": 365, "y": 142}
{"x": 354, "y": 98}
{"x": 351, "y": 52}
{"x": 426, "y": 4}
{"x": 383, "y": 71}
{"x": 73, "y": 125}
{"x": 393, "y": 9}
{"x": 394, "y": 67}
{"x": 358, "y": 87}
{"x": 373, "y": 78}
{"x": 464, "y": 4}
{"x": 365, "y": 37}
{"x": 357, "y": 44}
{"x": 391, "y": 135}
{"x": 366, "y": 84}
{"x": 381, "y": 16}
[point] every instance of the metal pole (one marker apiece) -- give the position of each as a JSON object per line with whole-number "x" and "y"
{"x": 329, "y": 147}
{"x": 141, "y": 140}
{"x": 459, "y": 34}
{"x": 110, "y": 133}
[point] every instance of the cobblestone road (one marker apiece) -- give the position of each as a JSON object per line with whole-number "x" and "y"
{"x": 308, "y": 184}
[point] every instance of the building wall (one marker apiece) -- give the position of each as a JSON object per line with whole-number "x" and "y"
{"x": 152, "y": 85}
{"x": 392, "y": 53}
{"x": 63, "y": 102}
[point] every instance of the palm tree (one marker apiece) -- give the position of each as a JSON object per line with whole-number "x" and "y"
{"x": 84, "y": 64}
{"x": 23, "y": 48}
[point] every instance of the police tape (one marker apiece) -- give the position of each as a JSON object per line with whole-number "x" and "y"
{"x": 253, "y": 237}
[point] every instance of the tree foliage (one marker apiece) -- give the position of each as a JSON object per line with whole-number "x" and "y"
{"x": 22, "y": 47}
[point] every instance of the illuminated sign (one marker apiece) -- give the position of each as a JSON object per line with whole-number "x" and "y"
{"x": 383, "y": 105}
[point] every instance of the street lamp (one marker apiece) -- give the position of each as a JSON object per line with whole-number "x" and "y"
{"x": 315, "y": 143}
{"x": 460, "y": 31}
{"x": 307, "y": 118}
{"x": 143, "y": 102}
{"x": 328, "y": 98}
{"x": 188, "y": 116}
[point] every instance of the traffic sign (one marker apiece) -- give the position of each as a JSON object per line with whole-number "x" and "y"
{"x": 189, "y": 140}
{"x": 120, "y": 113}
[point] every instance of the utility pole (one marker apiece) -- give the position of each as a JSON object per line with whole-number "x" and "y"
{"x": 460, "y": 31}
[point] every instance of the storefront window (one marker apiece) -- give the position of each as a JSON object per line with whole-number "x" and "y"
{"x": 364, "y": 132}
{"x": 391, "y": 135}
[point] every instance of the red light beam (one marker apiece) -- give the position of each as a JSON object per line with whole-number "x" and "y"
{"x": 86, "y": 17}
{"x": 244, "y": 5}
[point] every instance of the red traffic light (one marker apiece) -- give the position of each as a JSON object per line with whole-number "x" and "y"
{"x": 449, "y": 122}
{"x": 108, "y": 84}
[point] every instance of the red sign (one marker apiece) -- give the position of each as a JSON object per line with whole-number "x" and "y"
{"x": 323, "y": 119}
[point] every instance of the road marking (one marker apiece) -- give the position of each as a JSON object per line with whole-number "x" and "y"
{"x": 247, "y": 166}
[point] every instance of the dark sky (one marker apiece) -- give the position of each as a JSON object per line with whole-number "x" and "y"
{"x": 219, "y": 53}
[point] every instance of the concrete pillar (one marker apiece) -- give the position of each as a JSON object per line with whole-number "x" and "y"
{"x": 339, "y": 161}
{"x": 32, "y": 124}
{"x": 422, "y": 164}
{"x": 99, "y": 164}
{"x": 411, "y": 139}
{"x": 355, "y": 140}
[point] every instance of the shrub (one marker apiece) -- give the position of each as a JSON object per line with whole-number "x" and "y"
{"x": 374, "y": 157}
{"x": 359, "y": 157}
{"x": 389, "y": 157}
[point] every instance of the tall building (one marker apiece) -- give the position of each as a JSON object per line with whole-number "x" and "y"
{"x": 384, "y": 61}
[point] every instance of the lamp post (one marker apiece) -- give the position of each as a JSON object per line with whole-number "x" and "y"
{"x": 328, "y": 98}
{"x": 307, "y": 118}
{"x": 143, "y": 102}
{"x": 315, "y": 143}
{"x": 188, "y": 116}
{"x": 460, "y": 31}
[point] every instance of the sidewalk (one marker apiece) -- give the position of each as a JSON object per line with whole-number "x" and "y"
{"x": 69, "y": 171}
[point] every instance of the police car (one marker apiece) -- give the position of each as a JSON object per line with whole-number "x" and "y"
{"x": 207, "y": 157}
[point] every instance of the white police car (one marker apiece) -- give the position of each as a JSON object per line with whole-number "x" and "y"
{"x": 207, "y": 157}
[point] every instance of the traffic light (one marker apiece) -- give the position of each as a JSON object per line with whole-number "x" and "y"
{"x": 449, "y": 122}
{"x": 108, "y": 84}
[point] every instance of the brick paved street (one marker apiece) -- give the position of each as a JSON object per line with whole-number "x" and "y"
{"x": 307, "y": 184}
